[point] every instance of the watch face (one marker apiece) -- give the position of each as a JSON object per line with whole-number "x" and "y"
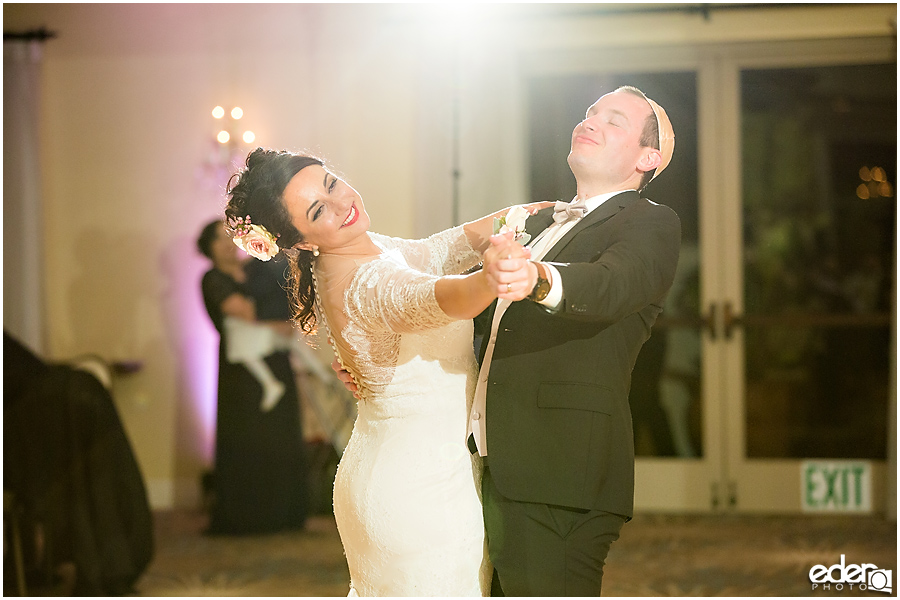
{"x": 541, "y": 289}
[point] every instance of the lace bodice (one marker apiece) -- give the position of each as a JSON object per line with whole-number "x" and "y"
{"x": 386, "y": 296}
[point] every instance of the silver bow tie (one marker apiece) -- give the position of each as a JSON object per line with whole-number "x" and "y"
{"x": 566, "y": 211}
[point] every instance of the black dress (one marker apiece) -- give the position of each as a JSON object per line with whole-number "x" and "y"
{"x": 260, "y": 476}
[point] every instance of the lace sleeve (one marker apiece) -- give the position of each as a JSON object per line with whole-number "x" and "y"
{"x": 385, "y": 296}
{"x": 445, "y": 253}
{"x": 384, "y": 300}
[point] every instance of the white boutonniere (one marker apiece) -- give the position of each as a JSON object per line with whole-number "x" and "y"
{"x": 514, "y": 221}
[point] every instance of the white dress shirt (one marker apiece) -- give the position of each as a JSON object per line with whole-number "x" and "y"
{"x": 539, "y": 248}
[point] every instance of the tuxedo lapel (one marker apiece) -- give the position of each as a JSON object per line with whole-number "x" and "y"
{"x": 592, "y": 219}
{"x": 486, "y": 319}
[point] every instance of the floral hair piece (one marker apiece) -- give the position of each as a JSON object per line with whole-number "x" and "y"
{"x": 255, "y": 240}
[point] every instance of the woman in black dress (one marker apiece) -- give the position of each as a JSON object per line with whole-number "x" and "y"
{"x": 260, "y": 476}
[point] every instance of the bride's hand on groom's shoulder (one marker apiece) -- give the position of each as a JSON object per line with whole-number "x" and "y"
{"x": 534, "y": 207}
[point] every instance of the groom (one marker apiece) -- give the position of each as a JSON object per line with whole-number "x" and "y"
{"x": 551, "y": 415}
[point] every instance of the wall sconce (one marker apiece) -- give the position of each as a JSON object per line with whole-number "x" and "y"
{"x": 230, "y": 128}
{"x": 226, "y": 151}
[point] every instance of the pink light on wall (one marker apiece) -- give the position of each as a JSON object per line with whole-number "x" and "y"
{"x": 201, "y": 361}
{"x": 197, "y": 345}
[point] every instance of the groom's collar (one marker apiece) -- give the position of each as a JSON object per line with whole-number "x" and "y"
{"x": 595, "y": 201}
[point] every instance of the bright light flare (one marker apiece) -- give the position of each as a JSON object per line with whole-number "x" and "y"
{"x": 248, "y": 137}
{"x": 450, "y": 21}
{"x": 218, "y": 112}
{"x": 237, "y": 112}
{"x": 223, "y": 137}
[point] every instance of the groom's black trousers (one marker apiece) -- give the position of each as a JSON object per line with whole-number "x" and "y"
{"x": 545, "y": 550}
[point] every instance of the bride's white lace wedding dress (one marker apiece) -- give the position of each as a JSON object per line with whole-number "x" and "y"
{"x": 406, "y": 494}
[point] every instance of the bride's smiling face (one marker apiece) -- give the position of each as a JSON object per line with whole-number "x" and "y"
{"x": 325, "y": 210}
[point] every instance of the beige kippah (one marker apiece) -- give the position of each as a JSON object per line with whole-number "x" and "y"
{"x": 666, "y": 137}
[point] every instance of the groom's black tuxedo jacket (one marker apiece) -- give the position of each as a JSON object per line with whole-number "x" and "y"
{"x": 558, "y": 420}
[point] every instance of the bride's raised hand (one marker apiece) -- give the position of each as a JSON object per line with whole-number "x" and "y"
{"x": 534, "y": 207}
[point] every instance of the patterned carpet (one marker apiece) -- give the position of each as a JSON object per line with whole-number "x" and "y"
{"x": 657, "y": 555}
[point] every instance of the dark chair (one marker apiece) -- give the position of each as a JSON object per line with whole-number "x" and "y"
{"x": 71, "y": 469}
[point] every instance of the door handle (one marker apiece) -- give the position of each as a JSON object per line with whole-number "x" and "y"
{"x": 730, "y": 320}
{"x": 708, "y": 321}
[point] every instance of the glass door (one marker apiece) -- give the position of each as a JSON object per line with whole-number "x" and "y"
{"x": 810, "y": 330}
{"x": 765, "y": 386}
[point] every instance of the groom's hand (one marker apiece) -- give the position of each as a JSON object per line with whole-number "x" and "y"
{"x": 345, "y": 377}
{"x": 507, "y": 267}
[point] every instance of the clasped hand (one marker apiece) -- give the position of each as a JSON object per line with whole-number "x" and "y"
{"x": 509, "y": 273}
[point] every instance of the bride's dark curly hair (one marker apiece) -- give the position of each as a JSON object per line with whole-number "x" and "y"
{"x": 257, "y": 190}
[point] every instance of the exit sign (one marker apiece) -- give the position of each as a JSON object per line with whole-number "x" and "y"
{"x": 836, "y": 486}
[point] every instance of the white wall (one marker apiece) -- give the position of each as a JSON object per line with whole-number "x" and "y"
{"x": 126, "y": 130}
{"x": 128, "y": 91}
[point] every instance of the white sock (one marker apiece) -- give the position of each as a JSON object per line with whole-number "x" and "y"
{"x": 273, "y": 389}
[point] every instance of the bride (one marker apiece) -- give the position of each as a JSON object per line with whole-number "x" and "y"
{"x": 406, "y": 494}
